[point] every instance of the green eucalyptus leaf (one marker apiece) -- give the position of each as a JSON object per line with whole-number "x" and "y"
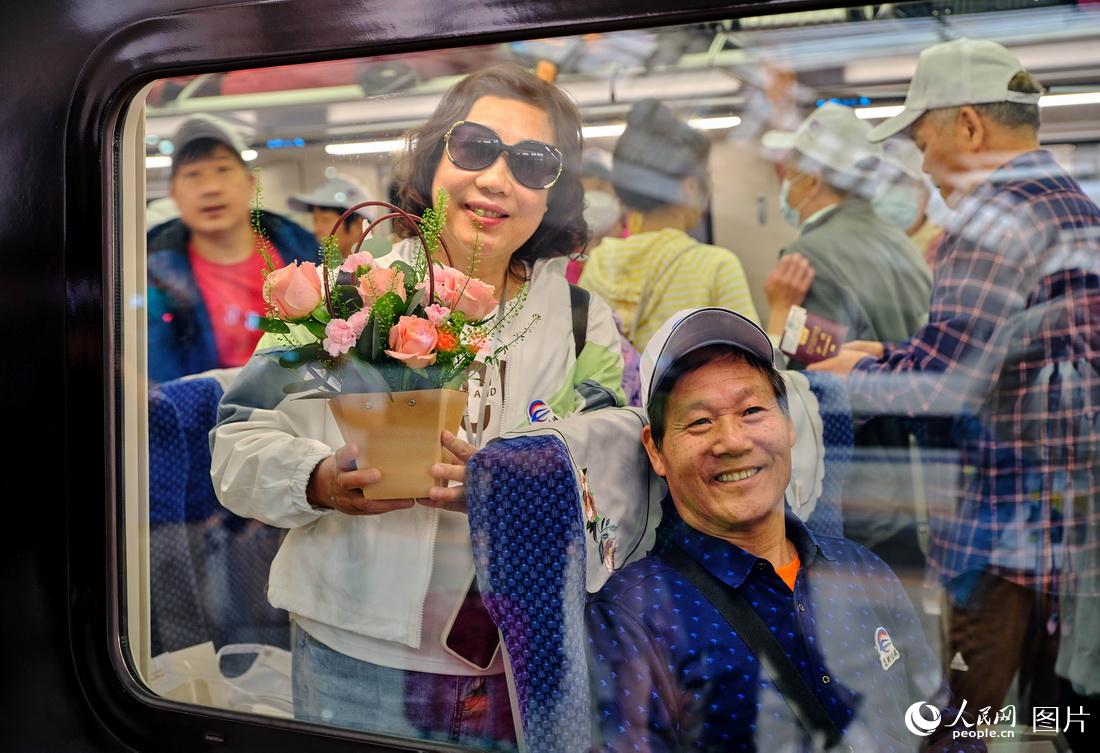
{"x": 268, "y": 324}
{"x": 376, "y": 247}
{"x": 297, "y": 356}
{"x": 366, "y": 345}
{"x": 410, "y": 273}
{"x": 315, "y": 328}
{"x": 416, "y": 299}
{"x": 346, "y": 297}
{"x": 366, "y": 377}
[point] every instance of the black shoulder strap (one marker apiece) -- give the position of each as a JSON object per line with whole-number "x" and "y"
{"x": 731, "y": 604}
{"x": 578, "y": 303}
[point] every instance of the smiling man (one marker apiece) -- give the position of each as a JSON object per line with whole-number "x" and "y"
{"x": 676, "y": 653}
{"x": 205, "y": 274}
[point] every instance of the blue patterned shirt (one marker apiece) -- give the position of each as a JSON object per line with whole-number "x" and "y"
{"x": 668, "y": 673}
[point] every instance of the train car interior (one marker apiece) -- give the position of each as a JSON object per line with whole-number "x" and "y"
{"x": 204, "y": 576}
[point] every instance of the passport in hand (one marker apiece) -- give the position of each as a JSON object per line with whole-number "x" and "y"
{"x": 809, "y": 338}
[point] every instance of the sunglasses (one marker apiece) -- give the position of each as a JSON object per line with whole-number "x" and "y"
{"x": 472, "y": 146}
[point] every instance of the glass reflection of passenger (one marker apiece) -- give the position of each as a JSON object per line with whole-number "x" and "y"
{"x": 659, "y": 173}
{"x": 673, "y": 672}
{"x": 372, "y": 585}
{"x": 1010, "y": 354}
{"x": 327, "y": 203}
{"x": 205, "y": 283}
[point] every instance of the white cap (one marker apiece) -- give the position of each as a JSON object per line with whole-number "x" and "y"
{"x": 832, "y": 136}
{"x": 338, "y": 192}
{"x": 207, "y": 127}
{"x": 950, "y": 74}
{"x": 904, "y": 155}
{"x": 691, "y": 329}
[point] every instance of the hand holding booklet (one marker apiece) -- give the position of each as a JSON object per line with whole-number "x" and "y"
{"x": 809, "y": 338}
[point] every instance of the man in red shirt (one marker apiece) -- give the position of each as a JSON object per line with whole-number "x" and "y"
{"x": 204, "y": 268}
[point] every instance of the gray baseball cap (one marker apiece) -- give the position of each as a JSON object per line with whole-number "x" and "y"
{"x": 832, "y": 136}
{"x": 951, "y": 74}
{"x": 338, "y": 191}
{"x": 691, "y": 329}
{"x": 209, "y": 127}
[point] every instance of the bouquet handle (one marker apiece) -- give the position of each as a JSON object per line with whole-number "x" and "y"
{"x": 395, "y": 213}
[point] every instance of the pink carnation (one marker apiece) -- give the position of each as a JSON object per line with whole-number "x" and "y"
{"x": 356, "y": 260}
{"x": 413, "y": 341}
{"x": 358, "y": 320}
{"x": 437, "y": 314}
{"x": 339, "y": 337}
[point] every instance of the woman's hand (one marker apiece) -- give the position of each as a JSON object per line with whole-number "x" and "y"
{"x": 451, "y": 497}
{"x": 336, "y": 483}
{"x": 787, "y": 286}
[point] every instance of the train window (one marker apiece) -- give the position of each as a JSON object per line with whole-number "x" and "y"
{"x": 918, "y": 178}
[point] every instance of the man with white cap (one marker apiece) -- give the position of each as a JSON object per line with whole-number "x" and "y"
{"x": 1009, "y": 356}
{"x": 744, "y": 630}
{"x": 327, "y": 202}
{"x": 205, "y": 294}
{"x": 865, "y": 274}
{"x": 904, "y": 197}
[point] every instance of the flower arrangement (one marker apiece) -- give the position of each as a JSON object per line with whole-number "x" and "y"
{"x": 383, "y": 328}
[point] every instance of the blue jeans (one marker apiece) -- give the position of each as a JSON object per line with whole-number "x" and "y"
{"x": 338, "y": 690}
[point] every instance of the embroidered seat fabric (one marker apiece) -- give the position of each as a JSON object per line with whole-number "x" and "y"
{"x": 529, "y": 549}
{"x": 176, "y": 617}
{"x": 836, "y": 419}
{"x": 209, "y": 568}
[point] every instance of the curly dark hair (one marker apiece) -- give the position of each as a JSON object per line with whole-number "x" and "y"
{"x": 563, "y": 229}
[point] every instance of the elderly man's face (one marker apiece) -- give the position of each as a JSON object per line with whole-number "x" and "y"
{"x": 944, "y": 158}
{"x": 726, "y": 452}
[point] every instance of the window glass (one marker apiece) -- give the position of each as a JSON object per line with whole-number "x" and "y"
{"x": 901, "y": 196}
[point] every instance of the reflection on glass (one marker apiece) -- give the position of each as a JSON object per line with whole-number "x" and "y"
{"x": 956, "y": 453}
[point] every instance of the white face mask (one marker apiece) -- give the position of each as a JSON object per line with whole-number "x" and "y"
{"x": 601, "y": 212}
{"x": 790, "y": 214}
{"x": 898, "y": 204}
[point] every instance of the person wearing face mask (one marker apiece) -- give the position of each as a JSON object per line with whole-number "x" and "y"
{"x": 660, "y": 175}
{"x": 867, "y": 275}
{"x": 905, "y": 197}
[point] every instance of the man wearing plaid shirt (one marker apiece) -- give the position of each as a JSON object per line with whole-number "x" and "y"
{"x": 1007, "y": 370}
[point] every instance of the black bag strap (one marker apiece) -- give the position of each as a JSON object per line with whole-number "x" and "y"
{"x": 578, "y": 303}
{"x": 733, "y": 607}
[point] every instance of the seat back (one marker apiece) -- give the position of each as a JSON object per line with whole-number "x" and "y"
{"x": 231, "y": 555}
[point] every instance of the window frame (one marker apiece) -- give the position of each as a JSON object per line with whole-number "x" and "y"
{"x": 181, "y": 41}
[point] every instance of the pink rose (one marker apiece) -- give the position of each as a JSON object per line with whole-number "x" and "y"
{"x": 356, "y": 260}
{"x": 341, "y": 335}
{"x": 467, "y": 295}
{"x": 413, "y": 341}
{"x": 437, "y": 314}
{"x": 294, "y": 290}
{"x": 378, "y": 281}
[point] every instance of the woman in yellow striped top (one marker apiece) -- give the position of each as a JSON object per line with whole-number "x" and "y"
{"x": 660, "y": 175}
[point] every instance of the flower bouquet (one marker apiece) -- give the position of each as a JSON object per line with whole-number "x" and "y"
{"x": 391, "y": 347}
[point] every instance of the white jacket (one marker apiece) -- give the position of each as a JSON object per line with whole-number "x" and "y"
{"x": 369, "y": 574}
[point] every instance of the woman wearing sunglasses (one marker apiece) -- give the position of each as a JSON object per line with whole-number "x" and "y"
{"x": 387, "y": 636}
